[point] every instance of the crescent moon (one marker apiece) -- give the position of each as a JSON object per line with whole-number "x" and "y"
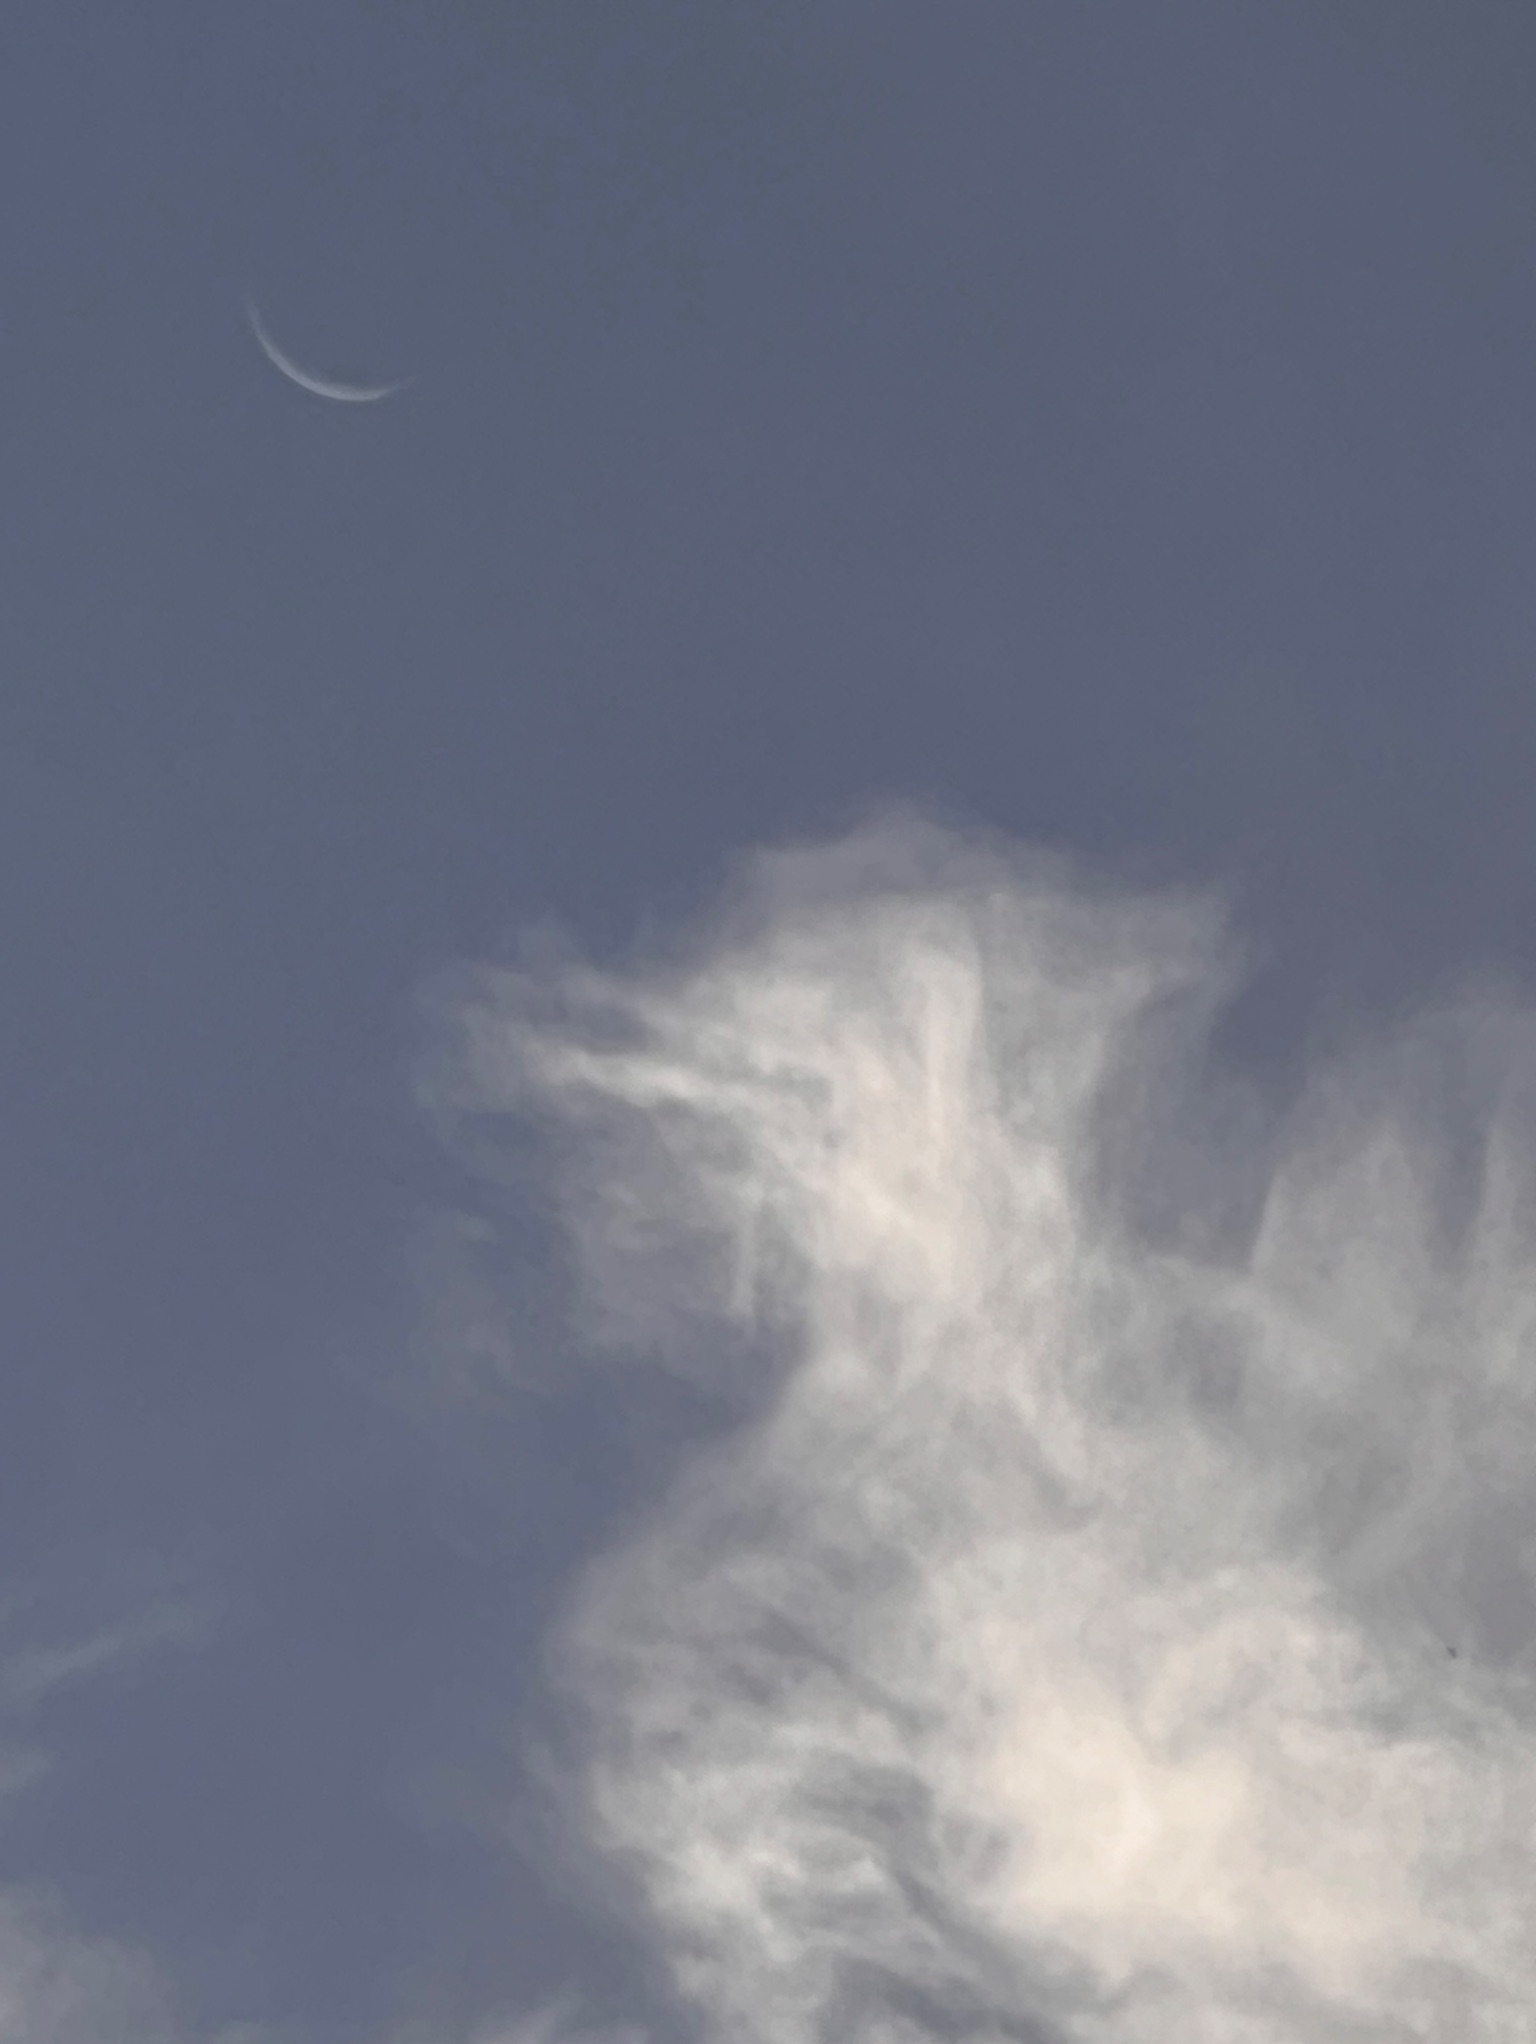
{"x": 317, "y": 386}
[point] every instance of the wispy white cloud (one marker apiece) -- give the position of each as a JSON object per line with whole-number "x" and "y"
{"x": 59, "y": 1988}
{"x": 58, "y": 1985}
{"x": 556, "y": 2022}
{"x": 1104, "y": 1622}
{"x": 32, "y": 1672}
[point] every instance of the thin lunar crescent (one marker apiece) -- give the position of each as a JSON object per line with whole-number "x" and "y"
{"x": 317, "y": 386}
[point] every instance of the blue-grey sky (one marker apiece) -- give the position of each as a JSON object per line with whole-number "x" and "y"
{"x": 767, "y": 1058}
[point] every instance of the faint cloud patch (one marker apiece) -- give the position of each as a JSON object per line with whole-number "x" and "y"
{"x": 59, "y": 1988}
{"x": 56, "y": 1985}
{"x": 30, "y": 1673}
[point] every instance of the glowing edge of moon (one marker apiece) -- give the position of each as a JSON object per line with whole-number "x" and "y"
{"x": 317, "y": 386}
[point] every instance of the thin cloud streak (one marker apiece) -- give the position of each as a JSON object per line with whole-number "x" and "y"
{"x": 1060, "y": 1645}
{"x": 32, "y": 1673}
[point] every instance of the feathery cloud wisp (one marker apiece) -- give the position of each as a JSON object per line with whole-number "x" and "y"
{"x": 1061, "y": 1643}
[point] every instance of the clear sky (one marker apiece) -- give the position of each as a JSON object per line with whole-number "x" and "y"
{"x": 767, "y": 1056}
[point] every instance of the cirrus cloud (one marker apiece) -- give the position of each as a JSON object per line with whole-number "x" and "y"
{"x": 1111, "y": 1615}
